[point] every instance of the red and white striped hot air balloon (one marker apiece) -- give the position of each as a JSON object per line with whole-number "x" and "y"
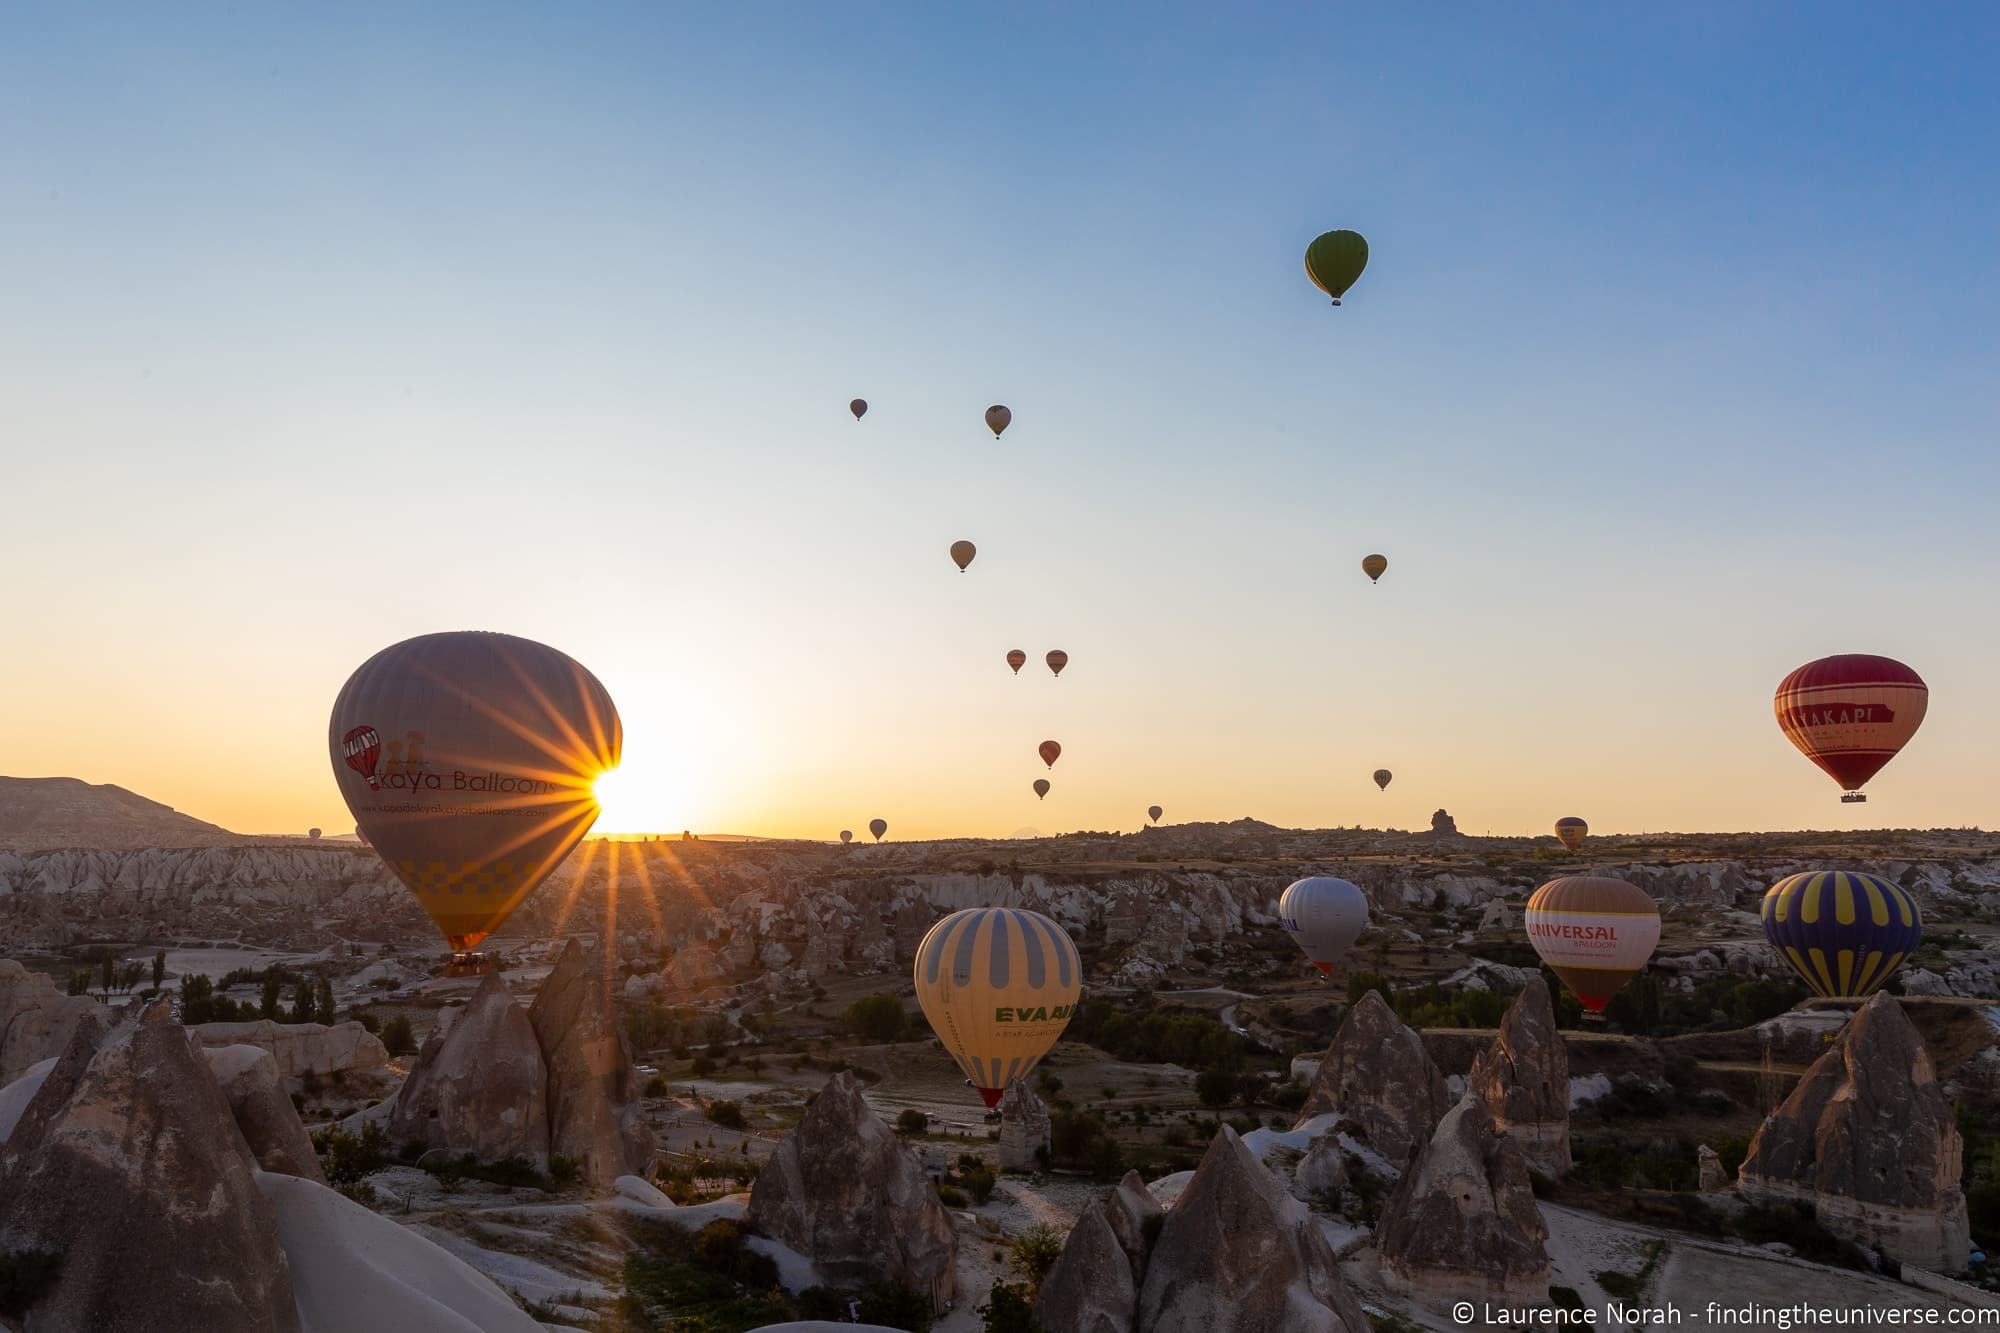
{"x": 1850, "y": 714}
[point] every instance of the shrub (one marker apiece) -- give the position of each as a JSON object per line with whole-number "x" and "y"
{"x": 1036, "y": 1250}
{"x": 1215, "y": 1087}
{"x": 822, "y": 1303}
{"x": 911, "y": 1122}
{"x": 951, "y": 1196}
{"x": 729, "y": 1115}
{"x": 896, "y": 1306}
{"x": 345, "y": 1158}
{"x": 877, "y": 1018}
{"x": 1007, "y": 1311}
{"x": 397, "y": 1038}
{"x": 979, "y": 1183}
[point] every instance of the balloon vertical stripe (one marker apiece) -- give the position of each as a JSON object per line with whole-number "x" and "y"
{"x": 1840, "y": 948}
{"x": 984, "y": 979}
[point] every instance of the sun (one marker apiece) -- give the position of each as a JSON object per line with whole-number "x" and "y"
{"x": 636, "y": 799}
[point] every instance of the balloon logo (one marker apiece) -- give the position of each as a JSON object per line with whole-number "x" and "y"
{"x": 878, "y": 827}
{"x": 1594, "y": 933}
{"x": 1374, "y": 566}
{"x": 1153, "y": 812}
{"x": 361, "y": 747}
{"x": 1383, "y": 777}
{"x": 1017, "y": 659}
{"x": 490, "y": 786}
{"x": 1057, "y": 660}
{"x": 1324, "y": 916}
{"x": 1571, "y": 831}
{"x": 998, "y": 985}
{"x": 859, "y": 407}
{"x": 1334, "y": 261}
{"x": 1041, "y": 788}
{"x": 1844, "y": 933}
{"x": 846, "y": 836}
{"x": 997, "y": 419}
{"x": 1050, "y": 752}
{"x": 1850, "y": 714}
{"x": 962, "y": 553}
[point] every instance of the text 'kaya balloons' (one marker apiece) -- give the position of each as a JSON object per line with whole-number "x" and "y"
{"x": 1374, "y": 566}
{"x": 997, "y": 419}
{"x": 1016, "y": 659}
{"x": 1324, "y": 915}
{"x": 1041, "y": 788}
{"x": 1383, "y": 777}
{"x": 1153, "y": 812}
{"x": 878, "y": 827}
{"x": 1844, "y": 933}
{"x": 468, "y": 759}
{"x": 1571, "y": 831}
{"x": 998, "y": 985}
{"x": 1334, "y": 261}
{"x": 1057, "y": 660}
{"x": 1850, "y": 714}
{"x": 962, "y": 553}
{"x": 1050, "y": 751}
{"x": 859, "y": 407}
{"x": 1593, "y": 932}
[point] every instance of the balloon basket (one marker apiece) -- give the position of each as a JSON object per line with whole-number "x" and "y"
{"x": 468, "y": 965}
{"x": 1852, "y": 797}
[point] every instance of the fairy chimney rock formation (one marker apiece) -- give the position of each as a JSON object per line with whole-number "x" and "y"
{"x": 1380, "y": 1082}
{"x": 1524, "y": 1079}
{"x": 1237, "y": 1254}
{"x": 593, "y": 1101}
{"x": 480, "y": 1086}
{"x": 36, "y": 1019}
{"x": 1713, "y": 1178}
{"x": 847, "y": 1193}
{"x": 1868, "y": 1140}
{"x": 1090, "y": 1288}
{"x": 262, "y": 1108}
{"x": 1024, "y": 1129}
{"x": 1462, "y": 1224}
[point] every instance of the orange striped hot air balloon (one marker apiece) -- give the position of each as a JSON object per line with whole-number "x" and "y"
{"x": 1016, "y": 659}
{"x": 1050, "y": 752}
{"x": 1593, "y": 932}
{"x": 1850, "y": 714}
{"x": 1057, "y": 660}
{"x": 1571, "y": 831}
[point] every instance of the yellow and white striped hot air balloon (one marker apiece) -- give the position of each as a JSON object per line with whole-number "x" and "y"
{"x": 998, "y": 985}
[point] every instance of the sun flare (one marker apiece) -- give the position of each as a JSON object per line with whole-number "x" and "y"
{"x": 634, "y": 798}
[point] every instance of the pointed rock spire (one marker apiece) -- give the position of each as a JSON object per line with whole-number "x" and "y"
{"x": 479, "y": 1086}
{"x": 593, "y": 1101}
{"x": 1523, "y": 1077}
{"x": 1377, "y": 1076}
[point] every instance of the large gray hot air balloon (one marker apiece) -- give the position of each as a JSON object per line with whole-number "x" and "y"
{"x": 467, "y": 759}
{"x": 1324, "y": 915}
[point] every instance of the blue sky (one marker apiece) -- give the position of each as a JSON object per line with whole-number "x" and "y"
{"x": 1674, "y": 366}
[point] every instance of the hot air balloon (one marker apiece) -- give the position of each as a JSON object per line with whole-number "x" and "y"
{"x": 859, "y": 407}
{"x": 1843, "y": 932}
{"x": 846, "y": 836}
{"x": 312, "y": 833}
{"x": 1153, "y": 812}
{"x": 1374, "y": 566}
{"x": 997, "y": 418}
{"x": 962, "y": 553}
{"x": 491, "y": 744}
{"x": 1057, "y": 660}
{"x": 1593, "y": 932}
{"x": 1324, "y": 916}
{"x": 1383, "y": 777}
{"x": 1334, "y": 261}
{"x": 1041, "y": 788}
{"x": 998, "y": 985}
{"x": 1850, "y": 714}
{"x": 1050, "y": 752}
{"x": 878, "y": 827}
{"x": 1016, "y": 659}
{"x": 1572, "y": 831}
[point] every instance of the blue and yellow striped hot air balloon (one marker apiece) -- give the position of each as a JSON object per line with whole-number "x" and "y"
{"x": 999, "y": 985}
{"x": 1843, "y": 932}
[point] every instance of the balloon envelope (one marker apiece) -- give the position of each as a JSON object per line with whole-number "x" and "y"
{"x": 962, "y": 553}
{"x": 1050, "y": 752}
{"x": 1593, "y": 932}
{"x": 1041, "y": 787}
{"x": 847, "y": 835}
{"x": 1374, "y": 566}
{"x": 1016, "y": 659}
{"x": 998, "y": 985}
{"x": 997, "y": 418}
{"x": 1334, "y": 260}
{"x": 468, "y": 759}
{"x": 1324, "y": 915}
{"x": 1572, "y": 831}
{"x": 1383, "y": 777}
{"x": 859, "y": 407}
{"x": 1153, "y": 812}
{"x": 1057, "y": 660}
{"x": 878, "y": 827}
{"x": 1843, "y": 932}
{"x": 1850, "y": 714}
{"x": 312, "y": 833}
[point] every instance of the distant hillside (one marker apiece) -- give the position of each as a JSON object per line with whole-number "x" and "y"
{"x": 38, "y": 813}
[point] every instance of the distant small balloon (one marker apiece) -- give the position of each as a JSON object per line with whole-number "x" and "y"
{"x": 1041, "y": 787}
{"x": 1153, "y": 812}
{"x": 1334, "y": 261}
{"x": 312, "y": 833}
{"x": 1374, "y": 566}
{"x": 962, "y": 553}
{"x": 1057, "y": 660}
{"x": 1383, "y": 777}
{"x": 1572, "y": 831}
{"x": 1050, "y": 752}
{"x": 859, "y": 407}
{"x": 878, "y": 827}
{"x": 847, "y": 835}
{"x": 997, "y": 418}
{"x": 1017, "y": 659}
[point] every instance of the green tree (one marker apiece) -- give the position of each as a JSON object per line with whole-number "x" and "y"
{"x": 1215, "y": 1087}
{"x": 895, "y": 1306}
{"x": 271, "y": 1004}
{"x": 1036, "y": 1250}
{"x": 911, "y": 1122}
{"x": 159, "y": 969}
{"x": 877, "y": 1018}
{"x": 1007, "y": 1311}
{"x": 397, "y": 1038}
{"x": 107, "y": 972}
{"x": 302, "y": 1003}
{"x": 323, "y": 1000}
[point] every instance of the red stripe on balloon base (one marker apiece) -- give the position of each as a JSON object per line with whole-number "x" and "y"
{"x": 991, "y": 1096}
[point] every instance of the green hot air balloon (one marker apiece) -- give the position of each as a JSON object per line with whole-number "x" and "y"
{"x": 1334, "y": 261}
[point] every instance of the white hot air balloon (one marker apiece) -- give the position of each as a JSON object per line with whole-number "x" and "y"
{"x": 1324, "y": 915}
